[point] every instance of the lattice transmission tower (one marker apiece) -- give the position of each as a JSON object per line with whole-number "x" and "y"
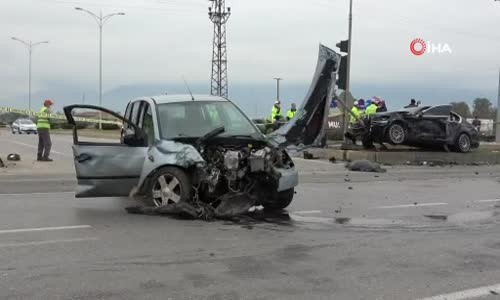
{"x": 219, "y": 15}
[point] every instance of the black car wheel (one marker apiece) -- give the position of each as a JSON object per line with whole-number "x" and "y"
{"x": 463, "y": 143}
{"x": 167, "y": 186}
{"x": 396, "y": 134}
{"x": 281, "y": 200}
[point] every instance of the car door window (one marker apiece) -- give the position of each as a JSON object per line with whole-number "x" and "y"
{"x": 146, "y": 122}
{"x": 438, "y": 111}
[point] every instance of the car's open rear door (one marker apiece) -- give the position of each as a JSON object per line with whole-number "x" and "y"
{"x": 105, "y": 167}
{"x": 307, "y": 128}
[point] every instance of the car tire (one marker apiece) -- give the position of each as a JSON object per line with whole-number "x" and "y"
{"x": 463, "y": 143}
{"x": 396, "y": 134}
{"x": 281, "y": 200}
{"x": 168, "y": 185}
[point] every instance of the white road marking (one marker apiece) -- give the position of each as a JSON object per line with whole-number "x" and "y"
{"x": 36, "y": 147}
{"x": 410, "y": 205}
{"x": 487, "y": 201}
{"x": 307, "y": 212}
{"x": 44, "y": 229}
{"x": 468, "y": 294}
{"x": 38, "y": 194}
{"x": 47, "y": 242}
{"x": 320, "y": 220}
{"x": 318, "y": 161}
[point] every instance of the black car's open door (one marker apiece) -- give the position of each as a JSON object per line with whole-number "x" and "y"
{"x": 106, "y": 168}
{"x": 307, "y": 128}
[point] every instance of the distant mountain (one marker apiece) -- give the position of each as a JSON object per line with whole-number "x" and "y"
{"x": 256, "y": 99}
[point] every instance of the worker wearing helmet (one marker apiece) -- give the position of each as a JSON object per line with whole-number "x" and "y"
{"x": 371, "y": 108}
{"x": 291, "y": 112}
{"x": 276, "y": 114}
{"x": 355, "y": 113}
{"x": 43, "y": 128}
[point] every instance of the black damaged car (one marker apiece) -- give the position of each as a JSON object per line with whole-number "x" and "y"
{"x": 423, "y": 127}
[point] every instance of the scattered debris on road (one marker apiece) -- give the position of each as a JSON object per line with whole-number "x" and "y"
{"x": 332, "y": 159}
{"x": 14, "y": 157}
{"x": 437, "y": 217}
{"x": 365, "y": 166}
{"x": 231, "y": 205}
{"x": 308, "y": 155}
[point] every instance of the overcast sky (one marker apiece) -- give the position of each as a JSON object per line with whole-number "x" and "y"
{"x": 159, "y": 41}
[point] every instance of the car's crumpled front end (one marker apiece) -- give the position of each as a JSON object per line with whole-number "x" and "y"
{"x": 223, "y": 172}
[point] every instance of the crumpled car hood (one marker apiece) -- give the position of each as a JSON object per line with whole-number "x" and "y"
{"x": 307, "y": 128}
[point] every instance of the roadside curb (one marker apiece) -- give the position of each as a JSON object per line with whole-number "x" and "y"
{"x": 410, "y": 157}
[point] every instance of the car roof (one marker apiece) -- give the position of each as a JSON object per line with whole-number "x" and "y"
{"x": 162, "y": 99}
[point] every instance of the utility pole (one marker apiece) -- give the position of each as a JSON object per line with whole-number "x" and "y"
{"x": 83, "y": 98}
{"x": 219, "y": 15}
{"x": 348, "y": 75}
{"x": 30, "y": 46}
{"x": 100, "y": 20}
{"x": 278, "y": 88}
{"x": 497, "y": 124}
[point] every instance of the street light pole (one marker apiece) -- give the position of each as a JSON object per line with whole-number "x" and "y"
{"x": 497, "y": 124}
{"x": 100, "y": 20}
{"x": 278, "y": 88}
{"x": 29, "y": 46}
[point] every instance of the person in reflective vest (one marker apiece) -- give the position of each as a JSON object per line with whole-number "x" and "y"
{"x": 371, "y": 108}
{"x": 291, "y": 112}
{"x": 355, "y": 113}
{"x": 276, "y": 114}
{"x": 43, "y": 128}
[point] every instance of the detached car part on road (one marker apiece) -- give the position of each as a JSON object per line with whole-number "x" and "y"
{"x": 423, "y": 127}
{"x": 202, "y": 150}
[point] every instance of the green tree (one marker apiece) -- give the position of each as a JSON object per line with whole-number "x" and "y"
{"x": 461, "y": 108}
{"x": 483, "y": 108}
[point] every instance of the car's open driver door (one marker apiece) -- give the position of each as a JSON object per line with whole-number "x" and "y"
{"x": 106, "y": 168}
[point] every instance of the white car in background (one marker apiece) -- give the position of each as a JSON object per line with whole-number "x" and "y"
{"x": 23, "y": 126}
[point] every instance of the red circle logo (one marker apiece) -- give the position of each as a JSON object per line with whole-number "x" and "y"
{"x": 418, "y": 46}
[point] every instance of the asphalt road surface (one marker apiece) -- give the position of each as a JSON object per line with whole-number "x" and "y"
{"x": 411, "y": 233}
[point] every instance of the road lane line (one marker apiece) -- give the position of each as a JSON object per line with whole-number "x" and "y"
{"x": 410, "y": 205}
{"x": 36, "y": 147}
{"x": 47, "y": 242}
{"x": 307, "y": 212}
{"x": 487, "y": 201}
{"x": 318, "y": 161}
{"x": 37, "y": 194}
{"x": 468, "y": 294}
{"x": 44, "y": 229}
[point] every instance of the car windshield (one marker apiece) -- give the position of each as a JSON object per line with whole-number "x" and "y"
{"x": 197, "y": 118}
{"x": 26, "y": 122}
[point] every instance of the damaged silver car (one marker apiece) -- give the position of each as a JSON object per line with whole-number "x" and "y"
{"x": 202, "y": 150}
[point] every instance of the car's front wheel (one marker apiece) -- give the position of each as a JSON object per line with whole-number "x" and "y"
{"x": 280, "y": 200}
{"x": 167, "y": 186}
{"x": 463, "y": 143}
{"x": 396, "y": 134}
